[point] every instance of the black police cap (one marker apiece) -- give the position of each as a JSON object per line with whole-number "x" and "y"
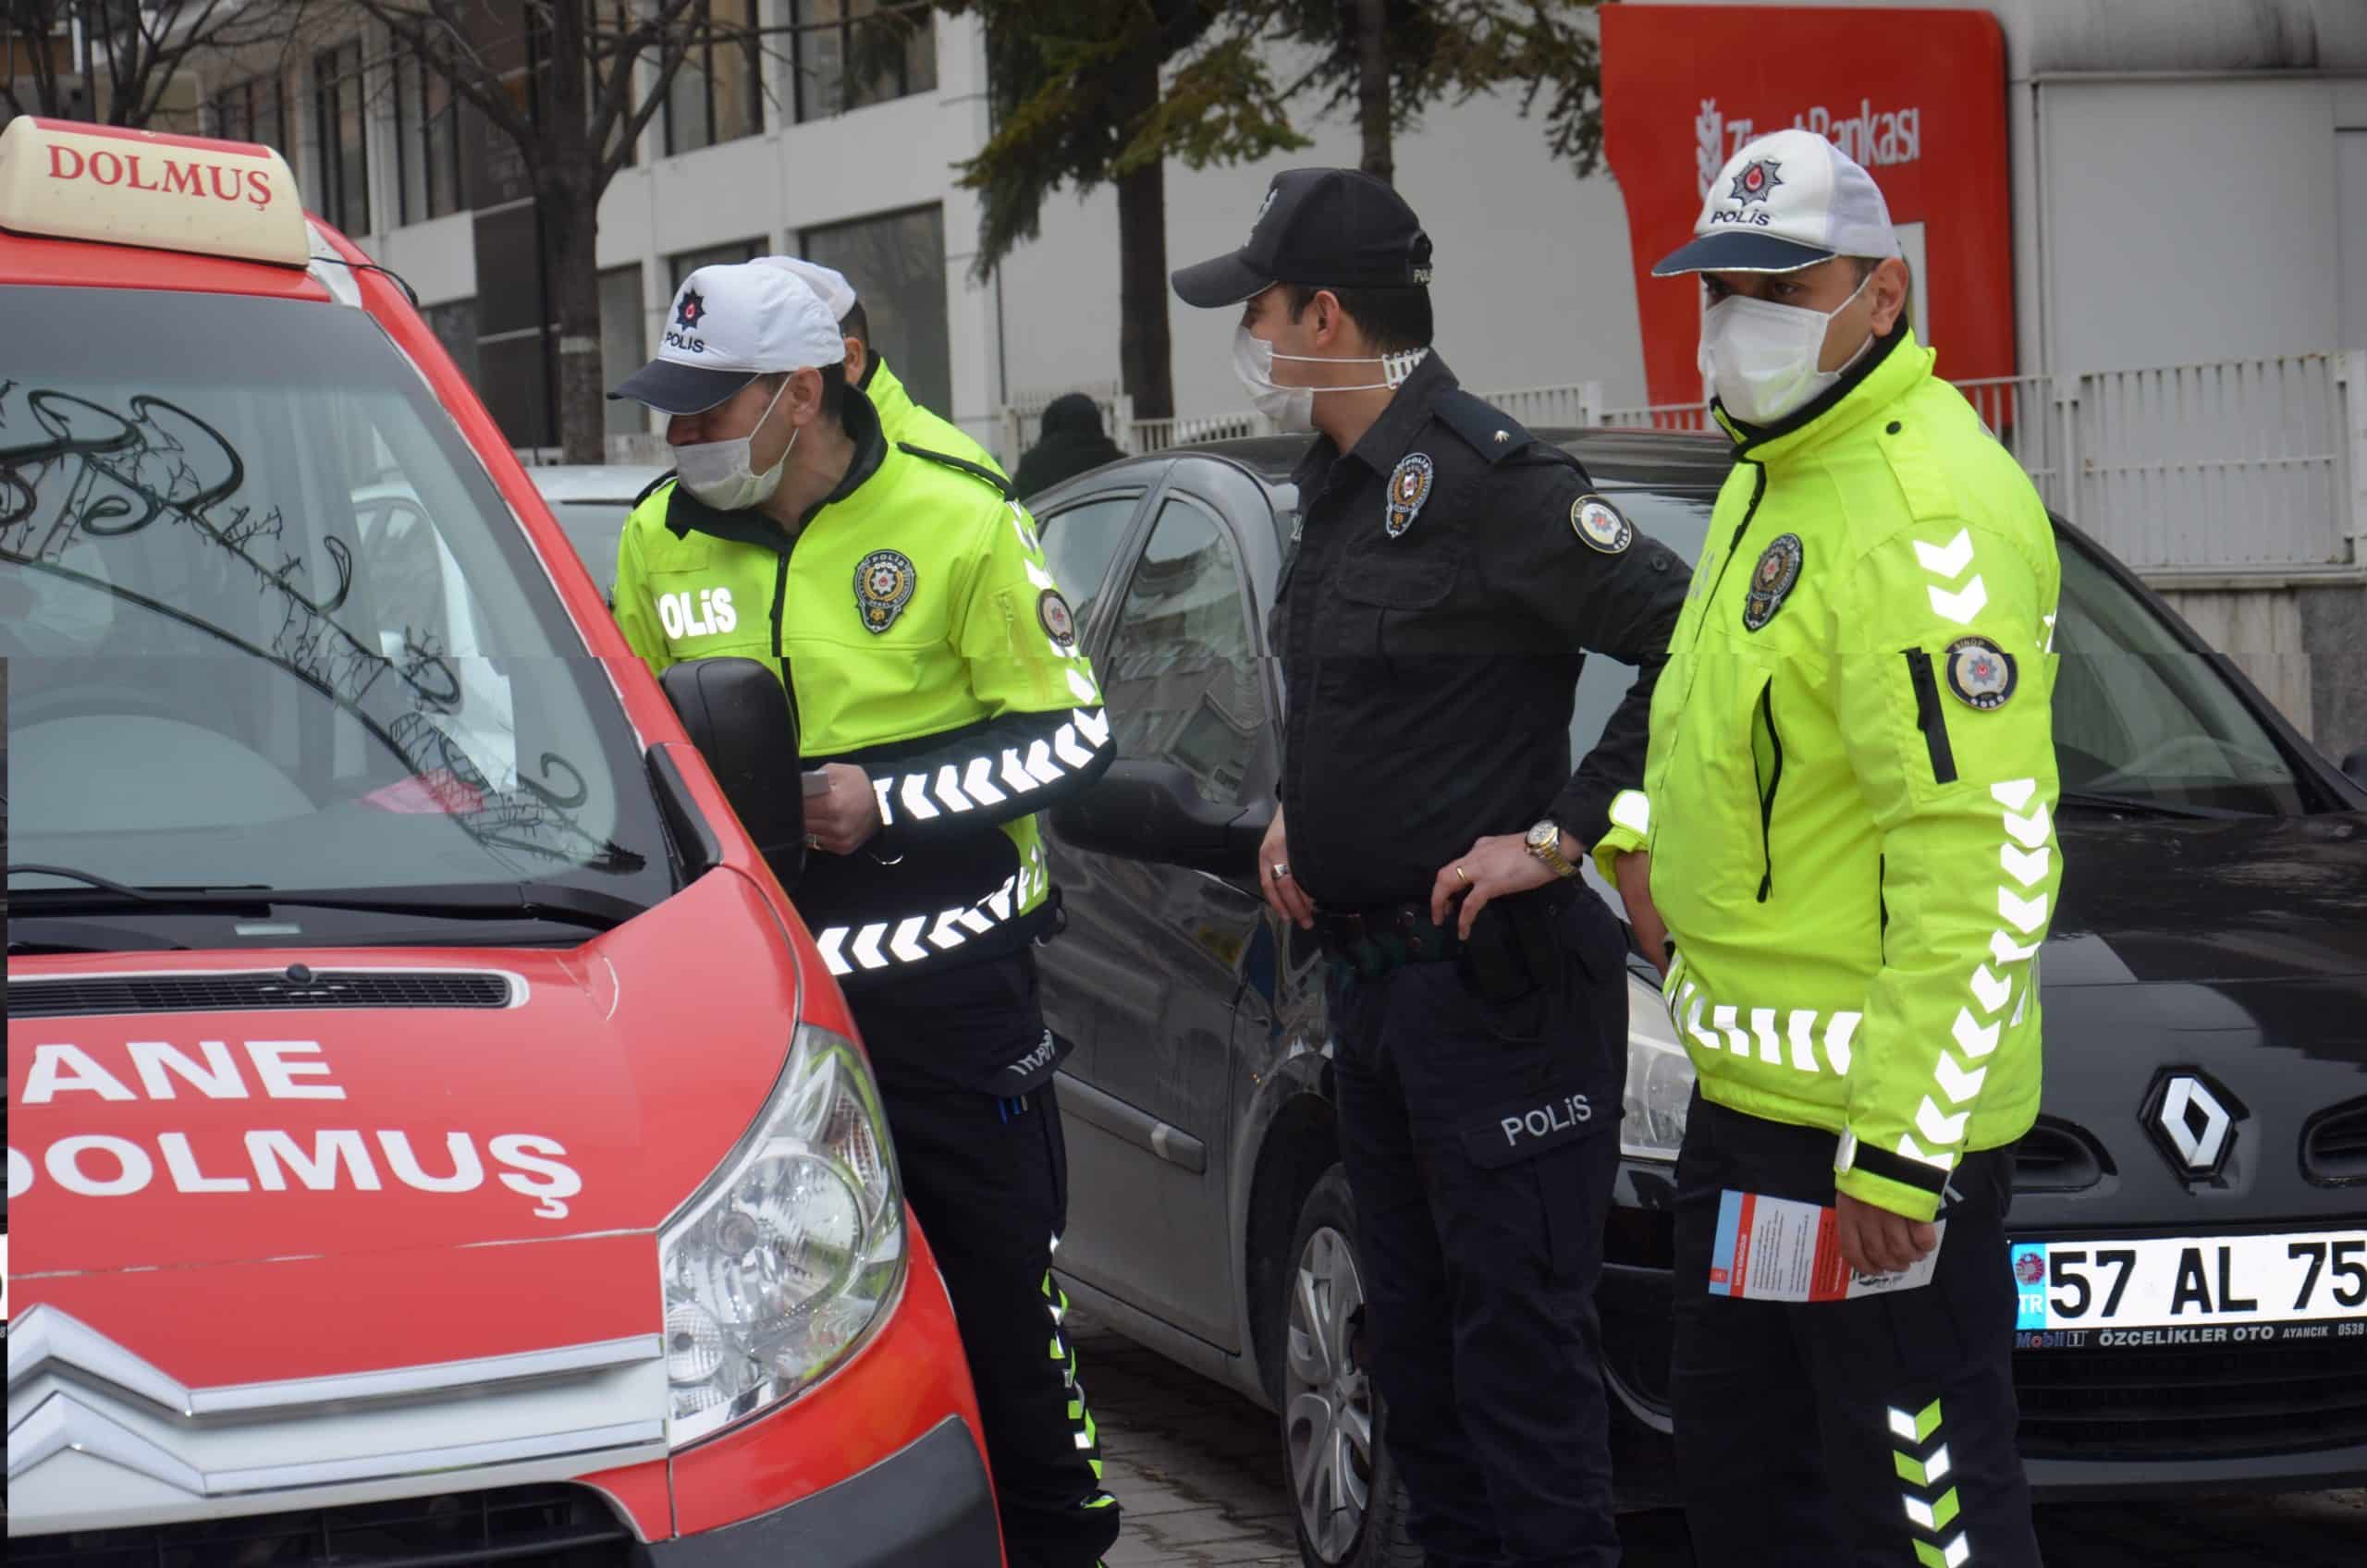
{"x": 1328, "y": 228}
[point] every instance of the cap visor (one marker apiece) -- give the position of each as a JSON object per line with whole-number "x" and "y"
{"x": 1734, "y": 251}
{"x": 1226, "y": 280}
{"x": 682, "y": 389}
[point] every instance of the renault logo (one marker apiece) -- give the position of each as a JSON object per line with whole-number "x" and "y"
{"x": 2193, "y": 1121}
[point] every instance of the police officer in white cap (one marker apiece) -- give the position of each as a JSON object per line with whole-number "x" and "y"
{"x": 904, "y": 602}
{"x": 1846, "y": 825}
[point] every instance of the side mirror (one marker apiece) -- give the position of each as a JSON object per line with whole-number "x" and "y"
{"x": 1154, "y": 810}
{"x": 741, "y": 720}
{"x": 2354, "y": 766}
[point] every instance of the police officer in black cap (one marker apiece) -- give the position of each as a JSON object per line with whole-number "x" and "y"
{"x": 1452, "y": 574}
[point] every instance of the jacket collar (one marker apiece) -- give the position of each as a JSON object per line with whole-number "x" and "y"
{"x": 685, "y": 513}
{"x": 1381, "y": 446}
{"x": 1893, "y": 368}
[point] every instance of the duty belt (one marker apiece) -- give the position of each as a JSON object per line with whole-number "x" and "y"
{"x": 1511, "y": 948}
{"x": 1380, "y": 937}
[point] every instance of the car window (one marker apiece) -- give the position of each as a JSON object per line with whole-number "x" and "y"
{"x": 1079, "y": 542}
{"x": 2136, "y": 714}
{"x": 1681, "y": 523}
{"x": 595, "y": 529}
{"x": 269, "y": 622}
{"x": 1180, "y": 676}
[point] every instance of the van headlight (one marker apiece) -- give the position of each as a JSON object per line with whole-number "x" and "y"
{"x": 782, "y": 1263}
{"x": 1660, "y": 1078}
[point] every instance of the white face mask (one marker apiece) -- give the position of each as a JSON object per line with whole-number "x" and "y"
{"x": 722, "y": 473}
{"x": 1293, "y": 408}
{"x": 1761, "y": 357}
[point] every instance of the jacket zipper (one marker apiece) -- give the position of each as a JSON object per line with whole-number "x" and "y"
{"x": 1928, "y": 718}
{"x": 1767, "y": 794}
{"x": 1733, "y": 546}
{"x": 781, "y": 597}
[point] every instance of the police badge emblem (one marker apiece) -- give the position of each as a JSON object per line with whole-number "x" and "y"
{"x": 883, "y": 586}
{"x": 1980, "y": 674}
{"x": 1772, "y": 582}
{"x": 1599, "y": 523}
{"x": 1059, "y": 620}
{"x": 1409, "y": 486}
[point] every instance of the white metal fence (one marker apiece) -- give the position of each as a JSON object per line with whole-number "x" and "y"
{"x": 2240, "y": 469}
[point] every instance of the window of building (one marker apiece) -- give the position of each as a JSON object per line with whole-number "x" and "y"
{"x": 338, "y": 122}
{"x": 846, "y": 53}
{"x": 623, "y": 344}
{"x": 254, "y": 110}
{"x": 896, "y": 262}
{"x": 427, "y": 144}
{"x": 690, "y": 261}
{"x": 719, "y": 95}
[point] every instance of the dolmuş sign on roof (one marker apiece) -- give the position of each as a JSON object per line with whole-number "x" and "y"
{"x": 68, "y": 180}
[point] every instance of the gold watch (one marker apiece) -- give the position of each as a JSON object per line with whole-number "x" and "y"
{"x": 1544, "y": 842}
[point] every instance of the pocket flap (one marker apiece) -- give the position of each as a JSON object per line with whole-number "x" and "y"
{"x": 1398, "y": 579}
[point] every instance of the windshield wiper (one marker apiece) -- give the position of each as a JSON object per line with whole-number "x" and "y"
{"x": 31, "y": 936}
{"x": 463, "y": 900}
{"x": 2136, "y": 806}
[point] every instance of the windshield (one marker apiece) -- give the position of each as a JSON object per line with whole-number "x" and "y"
{"x": 2137, "y": 716}
{"x": 269, "y": 624}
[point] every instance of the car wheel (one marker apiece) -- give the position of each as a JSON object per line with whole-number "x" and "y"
{"x": 1351, "y": 1507}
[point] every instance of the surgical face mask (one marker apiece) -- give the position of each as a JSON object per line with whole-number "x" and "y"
{"x": 1293, "y": 408}
{"x": 722, "y": 473}
{"x": 1761, "y": 357}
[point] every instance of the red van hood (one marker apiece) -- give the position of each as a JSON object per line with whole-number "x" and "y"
{"x": 614, "y": 1081}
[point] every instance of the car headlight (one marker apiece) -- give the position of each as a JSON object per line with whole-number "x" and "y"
{"x": 791, "y": 1253}
{"x": 1660, "y": 1078}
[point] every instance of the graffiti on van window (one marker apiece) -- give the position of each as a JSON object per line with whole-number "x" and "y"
{"x": 92, "y": 476}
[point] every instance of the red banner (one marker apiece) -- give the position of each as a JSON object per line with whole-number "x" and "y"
{"x": 1917, "y": 97}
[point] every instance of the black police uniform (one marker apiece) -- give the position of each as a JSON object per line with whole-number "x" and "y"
{"x": 1449, "y": 574}
{"x": 1432, "y": 630}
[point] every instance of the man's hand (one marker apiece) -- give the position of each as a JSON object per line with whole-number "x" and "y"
{"x": 1635, "y": 872}
{"x": 1875, "y": 1241}
{"x": 1491, "y": 868}
{"x": 842, "y": 819}
{"x": 1284, "y": 895}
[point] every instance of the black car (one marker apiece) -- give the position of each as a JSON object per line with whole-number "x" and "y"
{"x": 2188, "y": 1221}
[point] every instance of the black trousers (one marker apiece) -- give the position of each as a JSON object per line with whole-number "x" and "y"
{"x": 1835, "y": 1434}
{"x": 1480, "y": 1140}
{"x": 988, "y": 1177}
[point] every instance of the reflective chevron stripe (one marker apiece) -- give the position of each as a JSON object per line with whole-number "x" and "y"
{"x": 886, "y": 943}
{"x": 1725, "y": 1031}
{"x": 965, "y": 786}
{"x": 1948, "y": 562}
{"x": 1942, "y": 1117}
{"x": 1929, "y": 1510}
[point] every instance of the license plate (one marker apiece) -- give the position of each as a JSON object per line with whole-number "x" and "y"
{"x": 2192, "y": 1289}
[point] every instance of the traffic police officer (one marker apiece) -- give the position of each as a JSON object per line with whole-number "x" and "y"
{"x": 1450, "y": 574}
{"x": 900, "y": 419}
{"x": 1847, "y": 829}
{"x": 904, "y": 602}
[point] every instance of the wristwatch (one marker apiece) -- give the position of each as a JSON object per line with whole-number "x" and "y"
{"x": 1544, "y": 842}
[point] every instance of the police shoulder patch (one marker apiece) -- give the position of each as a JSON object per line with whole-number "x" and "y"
{"x": 1409, "y": 487}
{"x": 883, "y": 586}
{"x": 1598, "y": 523}
{"x": 1980, "y": 674}
{"x": 1059, "y": 620}
{"x": 1772, "y": 580}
